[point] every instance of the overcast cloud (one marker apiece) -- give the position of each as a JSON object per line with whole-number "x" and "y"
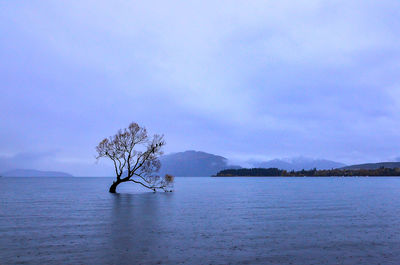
{"x": 242, "y": 79}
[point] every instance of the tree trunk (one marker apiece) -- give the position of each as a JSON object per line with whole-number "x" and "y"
{"x": 113, "y": 187}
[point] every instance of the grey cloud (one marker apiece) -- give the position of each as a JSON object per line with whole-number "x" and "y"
{"x": 243, "y": 80}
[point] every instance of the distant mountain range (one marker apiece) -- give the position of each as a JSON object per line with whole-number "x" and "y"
{"x": 33, "y": 173}
{"x": 298, "y": 163}
{"x": 374, "y": 165}
{"x": 193, "y": 164}
{"x": 196, "y": 163}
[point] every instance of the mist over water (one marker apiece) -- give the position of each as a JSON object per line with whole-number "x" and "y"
{"x": 205, "y": 221}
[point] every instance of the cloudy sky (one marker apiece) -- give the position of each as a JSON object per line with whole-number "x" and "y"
{"x": 242, "y": 79}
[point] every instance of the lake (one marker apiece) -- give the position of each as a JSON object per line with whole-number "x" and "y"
{"x": 205, "y": 221}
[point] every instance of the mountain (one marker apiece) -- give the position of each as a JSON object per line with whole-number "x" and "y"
{"x": 298, "y": 163}
{"x": 193, "y": 164}
{"x": 374, "y": 165}
{"x": 34, "y": 173}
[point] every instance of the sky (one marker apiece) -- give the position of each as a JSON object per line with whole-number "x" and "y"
{"x": 243, "y": 79}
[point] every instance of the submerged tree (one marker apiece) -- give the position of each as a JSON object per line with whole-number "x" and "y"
{"x": 136, "y": 158}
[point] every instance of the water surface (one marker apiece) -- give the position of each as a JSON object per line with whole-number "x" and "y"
{"x": 205, "y": 221}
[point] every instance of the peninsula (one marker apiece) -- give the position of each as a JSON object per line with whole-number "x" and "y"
{"x": 275, "y": 172}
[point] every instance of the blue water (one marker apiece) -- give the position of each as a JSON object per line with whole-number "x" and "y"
{"x": 205, "y": 221}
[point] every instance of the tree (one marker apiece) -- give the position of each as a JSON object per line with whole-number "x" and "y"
{"x": 135, "y": 157}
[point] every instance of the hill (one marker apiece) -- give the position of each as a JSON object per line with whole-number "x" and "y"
{"x": 298, "y": 163}
{"x": 193, "y": 164}
{"x": 374, "y": 165}
{"x": 34, "y": 173}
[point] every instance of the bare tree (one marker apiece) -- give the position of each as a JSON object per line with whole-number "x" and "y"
{"x": 135, "y": 158}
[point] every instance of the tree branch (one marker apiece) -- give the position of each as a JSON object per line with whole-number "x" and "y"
{"x": 115, "y": 165}
{"x": 149, "y": 187}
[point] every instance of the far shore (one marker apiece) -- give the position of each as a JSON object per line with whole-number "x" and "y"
{"x": 215, "y": 176}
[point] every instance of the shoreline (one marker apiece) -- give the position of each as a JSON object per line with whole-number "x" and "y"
{"x": 216, "y": 176}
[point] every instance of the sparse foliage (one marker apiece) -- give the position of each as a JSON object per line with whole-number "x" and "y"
{"x": 135, "y": 158}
